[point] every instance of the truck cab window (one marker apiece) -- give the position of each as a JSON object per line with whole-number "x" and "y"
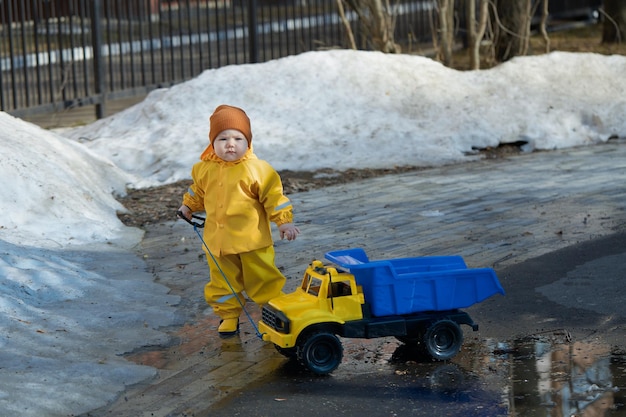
{"x": 340, "y": 289}
{"x": 311, "y": 285}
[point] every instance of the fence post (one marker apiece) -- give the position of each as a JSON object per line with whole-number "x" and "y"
{"x": 253, "y": 34}
{"x": 98, "y": 64}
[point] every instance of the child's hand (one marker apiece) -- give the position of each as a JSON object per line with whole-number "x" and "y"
{"x": 289, "y": 231}
{"x": 186, "y": 211}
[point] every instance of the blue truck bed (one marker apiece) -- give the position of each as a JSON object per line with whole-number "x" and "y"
{"x": 412, "y": 285}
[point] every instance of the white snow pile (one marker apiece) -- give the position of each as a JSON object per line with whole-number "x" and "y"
{"x": 52, "y": 188}
{"x": 353, "y": 109}
{"x": 72, "y": 296}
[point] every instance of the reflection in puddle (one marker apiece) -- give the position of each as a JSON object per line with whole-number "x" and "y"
{"x": 200, "y": 340}
{"x": 547, "y": 375}
{"x": 555, "y": 378}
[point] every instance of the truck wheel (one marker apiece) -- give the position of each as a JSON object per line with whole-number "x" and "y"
{"x": 321, "y": 353}
{"x": 443, "y": 339}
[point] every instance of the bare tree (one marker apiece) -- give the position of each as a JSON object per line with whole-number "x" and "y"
{"x": 476, "y": 27}
{"x": 376, "y": 20}
{"x": 545, "y": 13}
{"x": 346, "y": 24}
{"x": 512, "y": 28}
{"x": 445, "y": 32}
{"x": 614, "y": 27}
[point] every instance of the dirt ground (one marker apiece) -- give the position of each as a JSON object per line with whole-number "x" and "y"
{"x": 157, "y": 204}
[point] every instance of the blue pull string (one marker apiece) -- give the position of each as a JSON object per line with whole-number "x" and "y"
{"x": 256, "y": 328}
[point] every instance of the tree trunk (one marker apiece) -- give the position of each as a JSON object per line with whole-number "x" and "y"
{"x": 346, "y": 24}
{"x": 614, "y": 27}
{"x": 545, "y": 14}
{"x": 446, "y": 31}
{"x": 476, "y": 30}
{"x": 512, "y": 28}
{"x": 377, "y": 23}
{"x": 385, "y": 23}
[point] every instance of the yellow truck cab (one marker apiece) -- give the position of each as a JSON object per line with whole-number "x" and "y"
{"x": 325, "y": 296}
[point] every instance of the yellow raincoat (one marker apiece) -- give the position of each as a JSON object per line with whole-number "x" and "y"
{"x": 240, "y": 199}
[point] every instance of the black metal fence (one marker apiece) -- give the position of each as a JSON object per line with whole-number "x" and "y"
{"x": 58, "y": 54}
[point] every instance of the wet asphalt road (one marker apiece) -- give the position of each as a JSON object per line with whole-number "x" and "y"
{"x": 552, "y": 225}
{"x": 543, "y": 295}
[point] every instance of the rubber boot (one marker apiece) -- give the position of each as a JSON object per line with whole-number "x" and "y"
{"x": 228, "y": 327}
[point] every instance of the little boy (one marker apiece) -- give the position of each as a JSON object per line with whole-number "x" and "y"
{"x": 240, "y": 194}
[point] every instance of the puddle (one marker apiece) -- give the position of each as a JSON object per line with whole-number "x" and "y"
{"x": 546, "y": 375}
{"x": 551, "y": 377}
{"x": 199, "y": 336}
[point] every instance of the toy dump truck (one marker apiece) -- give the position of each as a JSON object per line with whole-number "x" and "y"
{"x": 417, "y": 300}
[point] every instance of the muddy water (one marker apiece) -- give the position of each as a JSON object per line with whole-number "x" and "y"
{"x": 546, "y": 375}
{"x": 554, "y": 378}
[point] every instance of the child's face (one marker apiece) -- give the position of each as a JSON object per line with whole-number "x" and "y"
{"x": 230, "y": 145}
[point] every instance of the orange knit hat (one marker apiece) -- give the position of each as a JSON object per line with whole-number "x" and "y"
{"x": 229, "y": 117}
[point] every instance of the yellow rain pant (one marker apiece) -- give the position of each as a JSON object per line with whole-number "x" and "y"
{"x": 253, "y": 272}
